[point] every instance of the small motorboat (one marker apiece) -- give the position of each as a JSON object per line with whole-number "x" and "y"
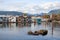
{"x": 33, "y": 33}
{"x": 43, "y": 32}
{"x": 39, "y": 32}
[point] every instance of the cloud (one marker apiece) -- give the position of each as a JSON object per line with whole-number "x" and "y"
{"x": 51, "y": 5}
{"x": 30, "y": 7}
{"x": 45, "y": 7}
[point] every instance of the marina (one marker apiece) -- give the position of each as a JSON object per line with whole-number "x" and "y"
{"x": 29, "y": 20}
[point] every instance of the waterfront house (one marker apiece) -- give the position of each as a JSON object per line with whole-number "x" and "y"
{"x": 38, "y": 19}
{"x": 55, "y": 17}
{"x": 29, "y": 19}
{"x": 23, "y": 20}
{"x": 12, "y": 19}
{"x": 3, "y": 18}
{"x": 19, "y": 19}
{"x": 45, "y": 17}
{"x": 33, "y": 18}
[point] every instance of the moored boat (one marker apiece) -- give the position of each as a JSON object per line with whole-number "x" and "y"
{"x": 39, "y": 32}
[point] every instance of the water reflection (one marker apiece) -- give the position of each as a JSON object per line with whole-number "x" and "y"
{"x": 23, "y": 24}
{"x": 4, "y": 25}
{"x": 18, "y": 29}
{"x": 55, "y": 29}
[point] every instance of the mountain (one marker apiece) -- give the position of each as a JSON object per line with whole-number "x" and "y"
{"x": 10, "y": 13}
{"x": 56, "y": 11}
{"x": 19, "y": 13}
{"x": 40, "y": 14}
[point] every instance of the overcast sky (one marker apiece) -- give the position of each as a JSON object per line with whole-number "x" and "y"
{"x": 29, "y": 6}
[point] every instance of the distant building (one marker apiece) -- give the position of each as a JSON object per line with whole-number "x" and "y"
{"x": 12, "y": 19}
{"x": 19, "y": 19}
{"x": 36, "y": 18}
{"x": 3, "y": 18}
{"x": 29, "y": 19}
{"x": 23, "y": 19}
{"x": 33, "y": 18}
{"x": 55, "y": 17}
{"x": 7, "y": 18}
{"x": 45, "y": 17}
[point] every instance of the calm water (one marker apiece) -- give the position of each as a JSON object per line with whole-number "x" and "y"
{"x": 13, "y": 31}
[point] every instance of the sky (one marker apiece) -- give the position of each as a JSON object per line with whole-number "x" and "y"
{"x": 29, "y": 6}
